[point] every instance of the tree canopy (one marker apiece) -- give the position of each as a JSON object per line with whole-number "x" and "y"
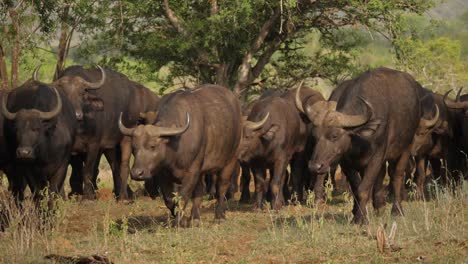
{"x": 179, "y": 43}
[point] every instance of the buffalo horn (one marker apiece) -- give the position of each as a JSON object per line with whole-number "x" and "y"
{"x": 169, "y": 131}
{"x": 96, "y": 85}
{"x": 55, "y": 111}
{"x": 433, "y": 121}
{"x": 123, "y": 129}
{"x": 452, "y": 104}
{"x": 5, "y": 112}
{"x": 345, "y": 120}
{"x": 35, "y": 72}
{"x": 298, "y": 100}
{"x": 257, "y": 125}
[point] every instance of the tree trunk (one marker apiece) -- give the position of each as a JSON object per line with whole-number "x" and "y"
{"x": 3, "y": 69}
{"x": 245, "y": 75}
{"x": 15, "y": 55}
{"x": 65, "y": 35}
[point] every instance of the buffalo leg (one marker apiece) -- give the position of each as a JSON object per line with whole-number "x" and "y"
{"x": 125, "y": 151}
{"x": 88, "y": 174}
{"x": 421, "y": 177}
{"x": 285, "y": 193}
{"x": 196, "y": 203}
{"x": 213, "y": 178}
{"x": 260, "y": 187}
{"x": 378, "y": 196}
{"x": 56, "y": 184}
{"x": 354, "y": 181}
{"x": 368, "y": 178}
{"x": 151, "y": 187}
{"x": 16, "y": 183}
{"x": 224, "y": 179}
{"x": 319, "y": 189}
{"x": 186, "y": 192}
{"x": 76, "y": 177}
{"x": 245, "y": 184}
{"x": 276, "y": 183}
{"x": 297, "y": 176}
{"x": 168, "y": 190}
{"x": 398, "y": 183}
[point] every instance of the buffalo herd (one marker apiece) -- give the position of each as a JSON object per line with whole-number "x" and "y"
{"x": 190, "y": 142}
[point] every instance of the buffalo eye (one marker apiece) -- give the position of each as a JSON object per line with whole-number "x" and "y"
{"x": 334, "y": 136}
{"x": 152, "y": 147}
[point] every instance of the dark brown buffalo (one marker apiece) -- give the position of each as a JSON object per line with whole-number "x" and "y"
{"x": 16, "y": 184}
{"x": 272, "y": 135}
{"x": 429, "y": 136}
{"x": 151, "y": 185}
{"x": 98, "y": 97}
{"x": 40, "y": 129}
{"x": 373, "y": 121}
{"x": 245, "y": 169}
{"x": 302, "y": 178}
{"x": 459, "y": 110}
{"x": 196, "y": 132}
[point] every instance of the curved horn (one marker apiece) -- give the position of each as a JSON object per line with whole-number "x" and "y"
{"x": 457, "y": 99}
{"x": 432, "y": 122}
{"x": 259, "y": 124}
{"x": 168, "y": 131}
{"x": 345, "y": 120}
{"x": 5, "y": 112}
{"x": 55, "y": 111}
{"x": 452, "y": 104}
{"x": 35, "y": 73}
{"x": 123, "y": 129}
{"x": 297, "y": 98}
{"x": 96, "y": 85}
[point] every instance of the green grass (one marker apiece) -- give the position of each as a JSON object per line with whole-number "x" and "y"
{"x": 139, "y": 232}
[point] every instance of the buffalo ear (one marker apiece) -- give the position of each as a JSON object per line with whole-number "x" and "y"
{"x": 369, "y": 129}
{"x": 442, "y": 128}
{"x": 96, "y": 103}
{"x": 270, "y": 133}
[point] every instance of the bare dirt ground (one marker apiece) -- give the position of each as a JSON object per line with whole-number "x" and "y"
{"x": 139, "y": 232}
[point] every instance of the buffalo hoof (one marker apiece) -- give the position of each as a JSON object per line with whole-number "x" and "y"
{"x": 277, "y": 206}
{"x": 182, "y": 222}
{"x": 360, "y": 220}
{"x": 196, "y": 222}
{"x": 319, "y": 202}
{"x": 245, "y": 198}
{"x": 89, "y": 194}
{"x": 397, "y": 210}
{"x": 219, "y": 221}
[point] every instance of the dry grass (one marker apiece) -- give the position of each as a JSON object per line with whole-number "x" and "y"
{"x": 431, "y": 232}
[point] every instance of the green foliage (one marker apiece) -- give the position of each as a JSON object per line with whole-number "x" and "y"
{"x": 208, "y": 43}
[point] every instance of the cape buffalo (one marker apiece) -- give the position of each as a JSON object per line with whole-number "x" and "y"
{"x": 372, "y": 122}
{"x": 272, "y": 134}
{"x": 302, "y": 177}
{"x": 98, "y": 97}
{"x": 40, "y": 128}
{"x": 196, "y": 132}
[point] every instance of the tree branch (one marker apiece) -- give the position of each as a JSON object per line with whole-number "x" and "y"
{"x": 245, "y": 68}
{"x": 3, "y": 68}
{"x": 173, "y": 19}
{"x": 265, "y": 58}
{"x": 214, "y": 7}
{"x": 203, "y": 56}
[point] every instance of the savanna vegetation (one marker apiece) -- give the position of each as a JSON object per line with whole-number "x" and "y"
{"x": 248, "y": 46}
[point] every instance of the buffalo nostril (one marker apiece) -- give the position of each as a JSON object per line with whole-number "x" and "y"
{"x": 137, "y": 173}
{"x": 79, "y": 116}
{"x": 24, "y": 152}
{"x": 315, "y": 166}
